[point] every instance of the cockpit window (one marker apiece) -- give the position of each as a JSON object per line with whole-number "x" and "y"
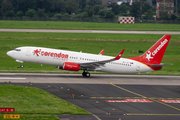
{"x": 17, "y": 49}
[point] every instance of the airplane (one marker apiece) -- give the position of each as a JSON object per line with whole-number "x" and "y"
{"x": 75, "y": 61}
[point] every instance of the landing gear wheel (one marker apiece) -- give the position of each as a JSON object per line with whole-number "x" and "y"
{"x": 86, "y": 74}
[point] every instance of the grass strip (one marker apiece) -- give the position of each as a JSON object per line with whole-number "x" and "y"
{"x": 31, "y": 100}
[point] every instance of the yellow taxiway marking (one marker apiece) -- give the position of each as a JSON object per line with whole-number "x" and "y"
{"x": 145, "y": 97}
{"x": 165, "y": 104}
{"x": 127, "y": 90}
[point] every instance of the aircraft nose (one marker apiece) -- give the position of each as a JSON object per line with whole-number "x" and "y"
{"x": 9, "y": 53}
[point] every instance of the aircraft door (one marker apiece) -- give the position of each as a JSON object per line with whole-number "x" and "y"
{"x": 79, "y": 58}
{"x": 28, "y": 52}
{"x": 138, "y": 67}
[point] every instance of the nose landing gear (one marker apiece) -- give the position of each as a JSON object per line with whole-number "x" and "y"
{"x": 20, "y": 62}
{"x": 22, "y": 66}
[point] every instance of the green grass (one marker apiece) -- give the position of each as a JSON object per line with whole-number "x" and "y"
{"x": 30, "y": 100}
{"x": 85, "y": 42}
{"x": 88, "y": 25}
{"x": 34, "y": 101}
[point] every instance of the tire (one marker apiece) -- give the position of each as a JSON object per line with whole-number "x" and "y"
{"x": 88, "y": 74}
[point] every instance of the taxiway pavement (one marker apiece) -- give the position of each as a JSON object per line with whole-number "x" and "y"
{"x": 110, "y": 97}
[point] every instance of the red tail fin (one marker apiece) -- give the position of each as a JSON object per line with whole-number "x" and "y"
{"x": 155, "y": 54}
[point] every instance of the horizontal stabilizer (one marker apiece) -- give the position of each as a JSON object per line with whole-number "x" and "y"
{"x": 159, "y": 65}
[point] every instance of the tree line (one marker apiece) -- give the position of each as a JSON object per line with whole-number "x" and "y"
{"x": 76, "y": 8}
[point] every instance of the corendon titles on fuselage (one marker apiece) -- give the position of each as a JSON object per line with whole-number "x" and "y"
{"x": 50, "y": 54}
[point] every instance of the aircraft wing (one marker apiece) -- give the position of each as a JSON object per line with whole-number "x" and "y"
{"x": 93, "y": 65}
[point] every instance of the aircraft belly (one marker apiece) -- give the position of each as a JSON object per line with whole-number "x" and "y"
{"x": 145, "y": 68}
{"x": 118, "y": 69}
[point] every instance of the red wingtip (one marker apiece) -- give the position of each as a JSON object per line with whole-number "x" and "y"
{"x": 119, "y": 55}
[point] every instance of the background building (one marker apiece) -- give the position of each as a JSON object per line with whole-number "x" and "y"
{"x": 105, "y": 2}
{"x": 164, "y": 8}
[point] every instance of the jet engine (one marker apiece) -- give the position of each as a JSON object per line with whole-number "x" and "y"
{"x": 70, "y": 66}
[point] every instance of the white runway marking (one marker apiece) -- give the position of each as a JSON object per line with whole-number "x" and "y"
{"x": 10, "y": 78}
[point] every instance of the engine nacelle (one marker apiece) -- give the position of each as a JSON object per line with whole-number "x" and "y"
{"x": 70, "y": 66}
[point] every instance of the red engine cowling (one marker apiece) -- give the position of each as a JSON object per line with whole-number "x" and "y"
{"x": 70, "y": 66}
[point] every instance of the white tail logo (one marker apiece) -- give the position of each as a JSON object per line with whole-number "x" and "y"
{"x": 148, "y": 56}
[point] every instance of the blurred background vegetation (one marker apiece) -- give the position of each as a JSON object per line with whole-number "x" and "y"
{"x": 74, "y": 9}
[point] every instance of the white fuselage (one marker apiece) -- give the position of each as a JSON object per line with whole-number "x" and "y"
{"x": 57, "y": 57}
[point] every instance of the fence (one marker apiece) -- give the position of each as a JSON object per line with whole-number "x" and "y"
{"x": 94, "y": 19}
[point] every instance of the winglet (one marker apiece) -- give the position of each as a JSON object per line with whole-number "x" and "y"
{"x": 119, "y": 55}
{"x": 101, "y": 53}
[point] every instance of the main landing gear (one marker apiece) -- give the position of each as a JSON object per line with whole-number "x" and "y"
{"x": 86, "y": 74}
